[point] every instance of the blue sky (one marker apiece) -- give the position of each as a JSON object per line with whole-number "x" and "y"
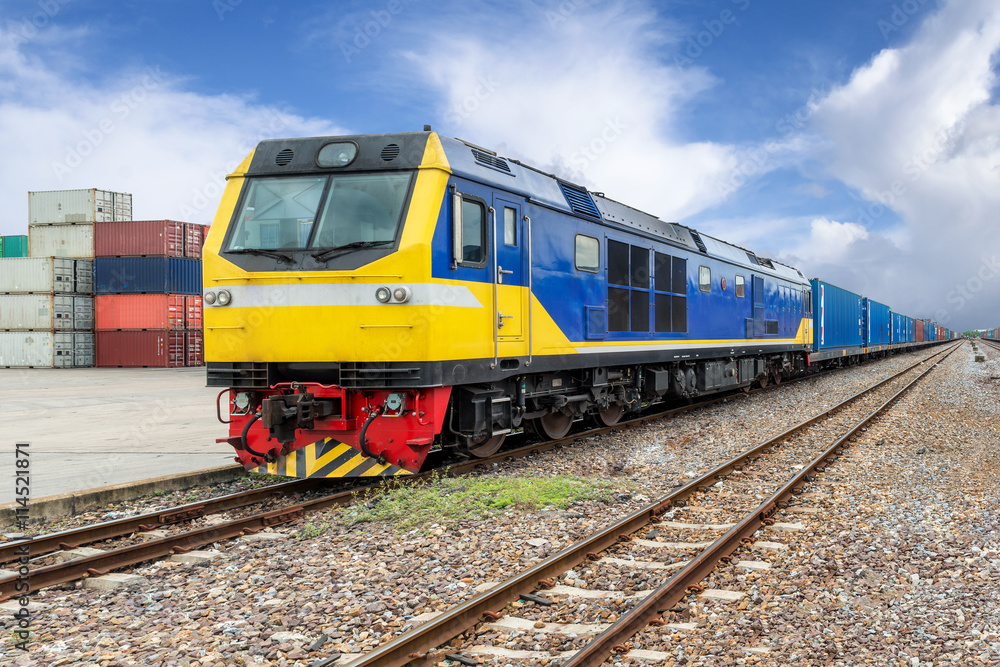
{"x": 858, "y": 140}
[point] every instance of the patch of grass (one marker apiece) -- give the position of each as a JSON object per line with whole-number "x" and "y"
{"x": 311, "y": 530}
{"x": 444, "y": 500}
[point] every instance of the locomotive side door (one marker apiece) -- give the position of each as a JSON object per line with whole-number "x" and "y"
{"x": 509, "y": 244}
{"x": 759, "y": 297}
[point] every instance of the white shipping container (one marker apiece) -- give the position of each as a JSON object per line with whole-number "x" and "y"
{"x": 84, "y": 276}
{"x": 36, "y": 274}
{"x": 83, "y": 313}
{"x": 26, "y": 312}
{"x": 88, "y": 205}
{"x": 61, "y": 240}
{"x": 39, "y": 349}
{"x": 83, "y": 349}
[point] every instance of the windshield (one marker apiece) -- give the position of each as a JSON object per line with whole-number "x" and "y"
{"x": 282, "y": 213}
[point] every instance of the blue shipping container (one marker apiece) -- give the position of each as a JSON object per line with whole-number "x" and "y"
{"x": 147, "y": 275}
{"x": 876, "y": 323}
{"x": 837, "y": 317}
{"x": 903, "y": 329}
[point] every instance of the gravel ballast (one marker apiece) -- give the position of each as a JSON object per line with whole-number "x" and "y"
{"x": 892, "y": 514}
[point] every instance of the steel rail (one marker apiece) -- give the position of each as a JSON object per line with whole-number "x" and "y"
{"x": 77, "y": 537}
{"x": 415, "y": 646}
{"x": 112, "y": 559}
{"x": 612, "y": 640}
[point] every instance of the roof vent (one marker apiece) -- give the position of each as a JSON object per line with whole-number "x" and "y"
{"x": 698, "y": 242}
{"x": 493, "y": 161}
{"x": 284, "y": 156}
{"x": 390, "y": 152}
{"x": 579, "y": 200}
{"x": 765, "y": 262}
{"x": 752, "y": 257}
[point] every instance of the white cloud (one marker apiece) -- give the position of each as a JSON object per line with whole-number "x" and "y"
{"x": 914, "y": 131}
{"x": 138, "y": 131}
{"x": 581, "y": 90}
{"x": 830, "y": 240}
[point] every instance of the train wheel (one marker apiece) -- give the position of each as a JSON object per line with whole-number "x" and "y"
{"x": 487, "y": 446}
{"x": 612, "y": 414}
{"x": 777, "y": 378}
{"x": 763, "y": 381}
{"x": 554, "y": 425}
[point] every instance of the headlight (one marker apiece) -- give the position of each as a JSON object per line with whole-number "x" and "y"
{"x": 401, "y": 294}
{"x": 209, "y": 298}
{"x": 337, "y": 155}
{"x": 383, "y": 294}
{"x": 225, "y": 298}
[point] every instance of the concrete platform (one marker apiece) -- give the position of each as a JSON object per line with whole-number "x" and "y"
{"x": 93, "y": 427}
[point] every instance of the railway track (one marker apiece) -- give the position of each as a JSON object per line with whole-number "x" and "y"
{"x": 98, "y": 564}
{"x": 684, "y": 552}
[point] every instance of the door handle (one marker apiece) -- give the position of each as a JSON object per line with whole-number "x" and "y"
{"x": 501, "y": 317}
{"x": 500, "y": 272}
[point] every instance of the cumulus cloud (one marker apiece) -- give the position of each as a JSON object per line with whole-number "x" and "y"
{"x": 830, "y": 240}
{"x": 915, "y": 131}
{"x": 139, "y": 130}
{"x": 582, "y": 90}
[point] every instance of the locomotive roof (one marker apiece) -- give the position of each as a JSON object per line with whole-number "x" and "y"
{"x": 406, "y": 151}
{"x": 483, "y": 165}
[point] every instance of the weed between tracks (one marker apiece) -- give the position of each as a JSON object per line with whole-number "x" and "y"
{"x": 445, "y": 499}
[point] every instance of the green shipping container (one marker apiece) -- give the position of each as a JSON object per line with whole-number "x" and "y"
{"x": 14, "y": 246}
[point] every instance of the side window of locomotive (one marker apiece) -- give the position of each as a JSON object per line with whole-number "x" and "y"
{"x": 639, "y": 281}
{"x": 704, "y": 279}
{"x": 618, "y": 297}
{"x": 809, "y": 302}
{"x": 670, "y": 294}
{"x": 473, "y": 233}
{"x": 741, "y": 289}
{"x": 509, "y": 226}
{"x": 588, "y": 254}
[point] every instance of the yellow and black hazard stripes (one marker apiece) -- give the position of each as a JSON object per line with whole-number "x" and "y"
{"x": 329, "y": 458}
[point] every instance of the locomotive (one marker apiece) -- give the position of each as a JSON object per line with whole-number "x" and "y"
{"x": 370, "y": 299}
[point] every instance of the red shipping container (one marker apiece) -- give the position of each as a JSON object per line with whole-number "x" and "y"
{"x": 140, "y": 311}
{"x": 194, "y": 348}
{"x": 139, "y": 238}
{"x": 920, "y": 331}
{"x": 194, "y": 239}
{"x": 192, "y": 312}
{"x": 140, "y": 349}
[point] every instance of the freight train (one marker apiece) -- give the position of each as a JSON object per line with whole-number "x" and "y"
{"x": 371, "y": 299}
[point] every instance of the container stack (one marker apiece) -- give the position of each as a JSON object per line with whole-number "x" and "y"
{"x": 46, "y": 312}
{"x": 147, "y": 276}
{"x": 61, "y": 222}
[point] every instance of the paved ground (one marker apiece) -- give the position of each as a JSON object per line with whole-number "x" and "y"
{"x": 90, "y": 427}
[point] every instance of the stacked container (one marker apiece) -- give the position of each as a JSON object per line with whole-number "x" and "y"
{"x": 147, "y": 276}
{"x": 46, "y": 312}
{"x": 14, "y": 246}
{"x": 61, "y": 222}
